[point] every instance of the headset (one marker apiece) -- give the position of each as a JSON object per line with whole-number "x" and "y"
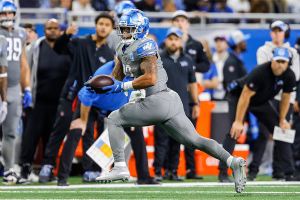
{"x": 291, "y": 57}
{"x": 287, "y": 29}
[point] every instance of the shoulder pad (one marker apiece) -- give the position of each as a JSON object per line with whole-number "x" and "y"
{"x": 147, "y": 47}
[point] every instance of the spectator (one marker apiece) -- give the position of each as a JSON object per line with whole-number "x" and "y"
{"x": 148, "y": 5}
{"x": 100, "y": 5}
{"x": 83, "y": 6}
{"x": 258, "y": 6}
{"x": 179, "y": 4}
{"x": 239, "y": 6}
{"x": 46, "y": 67}
{"x": 48, "y": 5}
{"x": 169, "y": 6}
{"x": 190, "y": 5}
{"x": 204, "y": 5}
{"x": 278, "y": 6}
{"x": 294, "y": 6}
{"x": 31, "y": 32}
{"x": 221, "y": 7}
{"x": 210, "y": 78}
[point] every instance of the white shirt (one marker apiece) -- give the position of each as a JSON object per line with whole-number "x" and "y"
{"x": 219, "y": 92}
{"x": 239, "y": 5}
{"x": 76, "y": 6}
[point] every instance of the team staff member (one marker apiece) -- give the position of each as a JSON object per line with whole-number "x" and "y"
{"x": 253, "y": 92}
{"x": 46, "y": 67}
{"x": 88, "y": 53}
{"x": 180, "y": 69}
{"x": 195, "y": 49}
{"x": 3, "y": 78}
{"x": 111, "y": 103}
{"x": 31, "y": 32}
{"x": 264, "y": 54}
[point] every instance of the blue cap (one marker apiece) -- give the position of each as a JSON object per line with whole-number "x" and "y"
{"x": 174, "y": 30}
{"x": 279, "y": 24}
{"x": 237, "y": 37}
{"x": 281, "y": 53}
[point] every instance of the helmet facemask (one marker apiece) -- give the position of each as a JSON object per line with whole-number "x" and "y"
{"x": 7, "y": 22}
{"x": 133, "y": 32}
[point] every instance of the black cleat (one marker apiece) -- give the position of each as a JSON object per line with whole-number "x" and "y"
{"x": 223, "y": 178}
{"x": 191, "y": 174}
{"x": 172, "y": 176}
{"x": 62, "y": 183}
{"x": 149, "y": 181}
{"x": 251, "y": 176}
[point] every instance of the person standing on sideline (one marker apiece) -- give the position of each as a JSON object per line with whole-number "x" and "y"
{"x": 46, "y": 67}
{"x": 87, "y": 53}
{"x": 18, "y": 74}
{"x": 3, "y": 78}
{"x": 31, "y": 32}
{"x": 180, "y": 69}
{"x": 264, "y": 54}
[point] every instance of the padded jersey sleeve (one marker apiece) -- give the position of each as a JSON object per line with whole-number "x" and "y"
{"x": 147, "y": 47}
{"x": 3, "y": 51}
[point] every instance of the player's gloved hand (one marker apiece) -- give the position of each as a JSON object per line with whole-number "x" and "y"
{"x": 3, "y": 111}
{"x": 117, "y": 87}
{"x": 89, "y": 88}
{"x": 27, "y": 97}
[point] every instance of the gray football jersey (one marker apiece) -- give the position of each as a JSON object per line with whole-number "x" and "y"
{"x": 3, "y": 51}
{"x": 16, "y": 40}
{"x": 131, "y": 59}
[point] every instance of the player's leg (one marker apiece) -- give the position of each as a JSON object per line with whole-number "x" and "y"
{"x": 10, "y": 128}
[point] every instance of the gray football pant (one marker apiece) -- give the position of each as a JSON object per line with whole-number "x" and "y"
{"x": 10, "y": 125}
{"x": 164, "y": 108}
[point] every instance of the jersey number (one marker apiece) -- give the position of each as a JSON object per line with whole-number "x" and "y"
{"x": 14, "y": 49}
{"x": 127, "y": 70}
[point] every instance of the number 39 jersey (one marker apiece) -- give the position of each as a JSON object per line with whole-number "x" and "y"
{"x": 131, "y": 58}
{"x": 15, "y": 42}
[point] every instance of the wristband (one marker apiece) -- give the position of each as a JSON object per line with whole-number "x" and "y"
{"x": 196, "y": 104}
{"x": 128, "y": 86}
{"x": 28, "y": 89}
{"x": 284, "y": 120}
{"x": 3, "y": 75}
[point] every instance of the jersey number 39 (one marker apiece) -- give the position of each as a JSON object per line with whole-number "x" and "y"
{"x": 14, "y": 49}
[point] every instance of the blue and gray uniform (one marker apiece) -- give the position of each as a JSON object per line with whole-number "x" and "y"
{"x": 3, "y": 51}
{"x": 160, "y": 106}
{"x": 15, "y": 42}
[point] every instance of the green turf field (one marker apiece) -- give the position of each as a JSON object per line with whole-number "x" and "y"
{"x": 206, "y": 189}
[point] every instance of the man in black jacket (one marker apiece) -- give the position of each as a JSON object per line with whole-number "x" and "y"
{"x": 194, "y": 49}
{"x": 88, "y": 53}
{"x": 181, "y": 75}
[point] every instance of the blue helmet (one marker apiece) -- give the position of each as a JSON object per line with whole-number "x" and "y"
{"x": 7, "y": 6}
{"x": 137, "y": 22}
{"x": 122, "y": 7}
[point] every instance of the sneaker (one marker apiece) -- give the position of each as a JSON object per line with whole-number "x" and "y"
{"x": 116, "y": 173}
{"x": 46, "y": 174}
{"x": 90, "y": 176}
{"x": 166, "y": 175}
{"x": 191, "y": 174}
{"x": 238, "y": 167}
{"x": 26, "y": 170}
{"x": 149, "y": 181}
{"x": 223, "y": 177}
{"x": 158, "y": 177}
{"x": 10, "y": 177}
{"x": 33, "y": 177}
{"x": 251, "y": 176}
{"x": 62, "y": 183}
{"x": 277, "y": 176}
{"x": 172, "y": 176}
{"x": 291, "y": 177}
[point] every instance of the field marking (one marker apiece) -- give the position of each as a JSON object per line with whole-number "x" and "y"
{"x": 131, "y": 185}
{"x": 133, "y": 192}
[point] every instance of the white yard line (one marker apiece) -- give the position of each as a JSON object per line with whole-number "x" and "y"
{"x": 131, "y": 185}
{"x": 134, "y": 192}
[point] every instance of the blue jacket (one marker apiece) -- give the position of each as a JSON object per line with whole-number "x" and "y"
{"x": 106, "y": 102}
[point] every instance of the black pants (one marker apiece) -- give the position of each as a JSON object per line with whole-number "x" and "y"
{"x": 261, "y": 142}
{"x": 296, "y": 145}
{"x": 25, "y": 117}
{"x": 166, "y": 150}
{"x": 137, "y": 143}
{"x": 38, "y": 125}
{"x": 59, "y": 130}
{"x": 267, "y": 115}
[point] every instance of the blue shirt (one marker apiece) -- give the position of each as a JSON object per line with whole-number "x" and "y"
{"x": 212, "y": 72}
{"x": 106, "y": 102}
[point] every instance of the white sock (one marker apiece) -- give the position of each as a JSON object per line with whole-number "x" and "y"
{"x": 229, "y": 161}
{"x": 120, "y": 164}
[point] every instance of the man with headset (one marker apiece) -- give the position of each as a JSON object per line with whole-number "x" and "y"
{"x": 279, "y": 31}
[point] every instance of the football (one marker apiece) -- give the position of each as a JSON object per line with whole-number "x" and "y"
{"x": 99, "y": 82}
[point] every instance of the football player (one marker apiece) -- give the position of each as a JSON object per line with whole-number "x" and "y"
{"x": 3, "y": 78}
{"x": 18, "y": 72}
{"x": 156, "y": 104}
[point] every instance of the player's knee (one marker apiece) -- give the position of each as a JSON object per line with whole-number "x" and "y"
{"x": 112, "y": 122}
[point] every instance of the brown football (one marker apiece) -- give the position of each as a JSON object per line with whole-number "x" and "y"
{"x": 99, "y": 82}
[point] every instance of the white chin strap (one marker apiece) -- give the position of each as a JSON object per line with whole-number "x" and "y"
{"x": 7, "y": 24}
{"x": 127, "y": 41}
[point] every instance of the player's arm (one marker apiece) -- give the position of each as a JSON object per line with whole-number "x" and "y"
{"x": 117, "y": 72}
{"x": 193, "y": 88}
{"x": 149, "y": 68}
{"x": 81, "y": 122}
{"x": 25, "y": 79}
{"x": 284, "y": 107}
{"x": 3, "y": 83}
{"x": 211, "y": 84}
{"x": 242, "y": 106}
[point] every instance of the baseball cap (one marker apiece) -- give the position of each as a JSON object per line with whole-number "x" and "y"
{"x": 174, "y": 30}
{"x": 220, "y": 38}
{"x": 279, "y": 24}
{"x": 281, "y": 53}
{"x": 29, "y": 25}
{"x": 180, "y": 13}
{"x": 237, "y": 37}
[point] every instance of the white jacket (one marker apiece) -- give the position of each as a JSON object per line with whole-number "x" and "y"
{"x": 265, "y": 54}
